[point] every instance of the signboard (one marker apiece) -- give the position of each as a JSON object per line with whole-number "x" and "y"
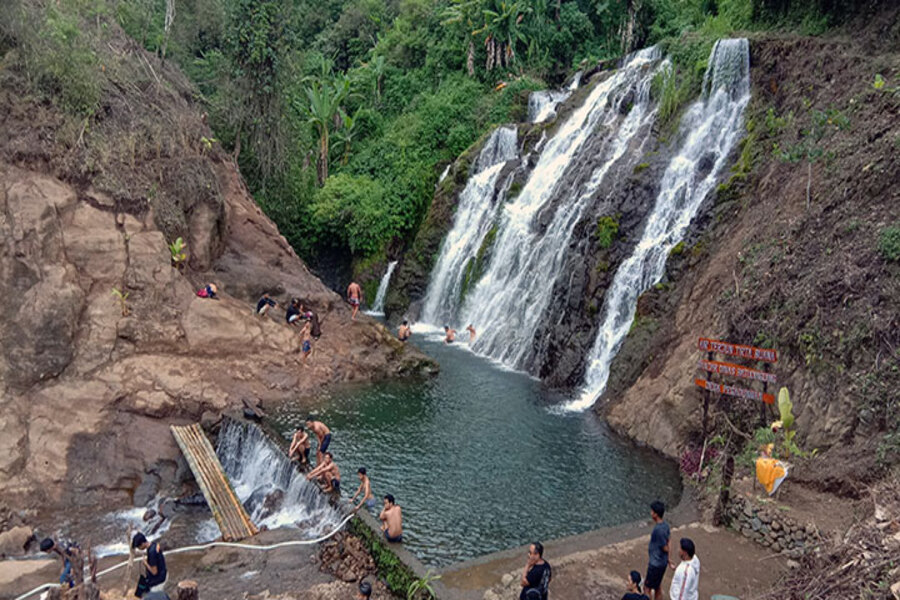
{"x": 724, "y": 368}
{"x": 730, "y": 390}
{"x": 749, "y": 352}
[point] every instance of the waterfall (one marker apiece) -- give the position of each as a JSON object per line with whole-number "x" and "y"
{"x": 378, "y": 305}
{"x": 271, "y": 488}
{"x": 542, "y": 104}
{"x": 710, "y": 129}
{"x": 533, "y": 230}
{"x": 474, "y": 219}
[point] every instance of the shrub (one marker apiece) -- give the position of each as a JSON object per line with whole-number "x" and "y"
{"x": 606, "y": 232}
{"x": 889, "y": 243}
{"x": 353, "y": 211}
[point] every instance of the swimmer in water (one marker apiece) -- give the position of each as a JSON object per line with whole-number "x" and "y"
{"x": 471, "y": 331}
{"x": 450, "y": 335}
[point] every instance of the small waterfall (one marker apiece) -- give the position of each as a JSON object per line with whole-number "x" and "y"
{"x": 711, "y": 128}
{"x": 542, "y": 104}
{"x": 535, "y": 228}
{"x": 474, "y": 219}
{"x": 273, "y": 491}
{"x": 378, "y": 305}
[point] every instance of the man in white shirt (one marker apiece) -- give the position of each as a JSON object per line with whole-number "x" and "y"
{"x": 686, "y": 581}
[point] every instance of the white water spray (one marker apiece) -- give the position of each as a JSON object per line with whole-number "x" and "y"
{"x": 711, "y": 128}
{"x": 378, "y": 305}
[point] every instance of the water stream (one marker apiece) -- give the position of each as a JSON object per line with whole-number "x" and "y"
{"x": 378, "y": 306}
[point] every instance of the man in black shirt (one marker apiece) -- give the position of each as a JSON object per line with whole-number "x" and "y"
{"x": 154, "y": 564}
{"x": 633, "y": 587}
{"x": 264, "y": 304}
{"x": 536, "y": 575}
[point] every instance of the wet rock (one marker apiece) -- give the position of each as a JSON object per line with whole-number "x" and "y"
{"x": 147, "y": 489}
{"x": 13, "y": 541}
{"x": 706, "y": 164}
{"x": 271, "y": 504}
{"x": 167, "y": 508}
{"x": 193, "y": 500}
{"x": 149, "y": 514}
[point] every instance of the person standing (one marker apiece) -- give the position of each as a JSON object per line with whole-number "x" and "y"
{"x": 658, "y": 550}
{"x": 391, "y": 520}
{"x": 365, "y": 488}
{"x": 686, "y": 580}
{"x": 633, "y": 587}
{"x": 471, "y": 331}
{"x": 323, "y": 434}
{"x": 536, "y": 575}
{"x": 306, "y": 341}
{"x": 354, "y": 297}
{"x": 154, "y": 565}
{"x": 403, "y": 331}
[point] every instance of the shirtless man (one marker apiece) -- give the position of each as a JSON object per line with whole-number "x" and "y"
{"x": 471, "y": 331}
{"x": 450, "y": 336}
{"x": 403, "y": 331}
{"x": 328, "y": 473}
{"x": 365, "y": 488}
{"x": 391, "y": 520}
{"x": 354, "y": 297}
{"x": 322, "y": 433}
{"x": 300, "y": 447}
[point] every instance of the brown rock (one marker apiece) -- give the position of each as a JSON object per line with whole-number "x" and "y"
{"x": 13, "y": 541}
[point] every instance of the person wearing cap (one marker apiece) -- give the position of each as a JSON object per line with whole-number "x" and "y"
{"x": 633, "y": 587}
{"x": 365, "y": 591}
{"x": 65, "y": 553}
{"x": 154, "y": 565}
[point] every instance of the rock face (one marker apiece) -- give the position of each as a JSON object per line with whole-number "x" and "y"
{"x": 90, "y": 382}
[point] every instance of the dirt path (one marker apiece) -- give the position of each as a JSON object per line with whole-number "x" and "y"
{"x": 730, "y": 564}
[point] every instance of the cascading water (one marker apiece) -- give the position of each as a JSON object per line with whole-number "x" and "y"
{"x": 711, "y": 128}
{"x": 542, "y": 104}
{"x": 474, "y": 219}
{"x": 274, "y": 492}
{"x": 534, "y": 229}
{"x": 378, "y": 305}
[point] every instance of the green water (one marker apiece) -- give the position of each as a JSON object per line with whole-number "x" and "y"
{"x": 478, "y": 462}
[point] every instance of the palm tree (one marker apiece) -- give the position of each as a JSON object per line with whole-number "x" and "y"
{"x": 378, "y": 68}
{"x": 322, "y": 104}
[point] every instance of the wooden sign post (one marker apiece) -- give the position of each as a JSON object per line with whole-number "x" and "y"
{"x": 713, "y": 367}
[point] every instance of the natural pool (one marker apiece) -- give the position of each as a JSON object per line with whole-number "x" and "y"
{"x": 479, "y": 463}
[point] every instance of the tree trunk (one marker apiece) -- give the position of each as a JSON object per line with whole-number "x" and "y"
{"x": 634, "y": 7}
{"x": 470, "y": 59}
{"x": 323, "y": 156}
{"x": 167, "y": 29}
{"x": 187, "y": 590}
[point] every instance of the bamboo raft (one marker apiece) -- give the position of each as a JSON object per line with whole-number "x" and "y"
{"x": 233, "y": 520}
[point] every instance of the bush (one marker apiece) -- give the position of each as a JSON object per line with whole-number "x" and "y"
{"x": 352, "y": 211}
{"x": 889, "y": 243}
{"x": 606, "y": 232}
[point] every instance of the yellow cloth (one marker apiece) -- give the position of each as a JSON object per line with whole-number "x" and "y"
{"x": 770, "y": 473}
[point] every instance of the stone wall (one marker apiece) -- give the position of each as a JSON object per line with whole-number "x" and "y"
{"x": 771, "y": 528}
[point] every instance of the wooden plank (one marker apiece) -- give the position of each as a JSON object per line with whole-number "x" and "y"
{"x": 226, "y": 507}
{"x": 723, "y": 368}
{"x": 739, "y": 350}
{"x": 730, "y": 390}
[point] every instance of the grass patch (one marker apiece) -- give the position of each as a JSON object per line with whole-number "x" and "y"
{"x": 606, "y": 232}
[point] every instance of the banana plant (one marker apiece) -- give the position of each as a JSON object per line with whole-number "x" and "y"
{"x": 423, "y": 589}
{"x": 122, "y": 298}
{"x": 786, "y": 423}
{"x": 177, "y": 249}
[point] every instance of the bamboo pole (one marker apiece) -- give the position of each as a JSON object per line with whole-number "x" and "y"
{"x": 199, "y": 473}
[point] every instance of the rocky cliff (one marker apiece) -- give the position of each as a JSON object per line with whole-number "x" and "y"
{"x": 787, "y": 255}
{"x": 90, "y": 381}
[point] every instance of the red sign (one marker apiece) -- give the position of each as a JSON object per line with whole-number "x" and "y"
{"x": 730, "y": 390}
{"x": 750, "y": 352}
{"x": 724, "y": 368}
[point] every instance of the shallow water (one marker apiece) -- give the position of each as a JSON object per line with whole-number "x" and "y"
{"x": 477, "y": 461}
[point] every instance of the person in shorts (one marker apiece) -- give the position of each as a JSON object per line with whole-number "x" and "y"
{"x": 66, "y": 553}
{"x": 323, "y": 434}
{"x": 264, "y": 304}
{"x": 365, "y": 489}
{"x": 658, "y": 550}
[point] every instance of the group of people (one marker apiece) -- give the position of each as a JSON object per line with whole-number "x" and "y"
{"x": 327, "y": 473}
{"x": 296, "y": 314}
{"x": 153, "y": 571}
{"x": 536, "y": 575}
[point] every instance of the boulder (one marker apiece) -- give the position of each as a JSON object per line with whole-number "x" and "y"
{"x": 13, "y": 541}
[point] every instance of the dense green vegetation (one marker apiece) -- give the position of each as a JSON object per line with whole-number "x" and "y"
{"x": 341, "y": 113}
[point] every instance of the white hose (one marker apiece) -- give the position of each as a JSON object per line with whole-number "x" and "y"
{"x": 206, "y": 547}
